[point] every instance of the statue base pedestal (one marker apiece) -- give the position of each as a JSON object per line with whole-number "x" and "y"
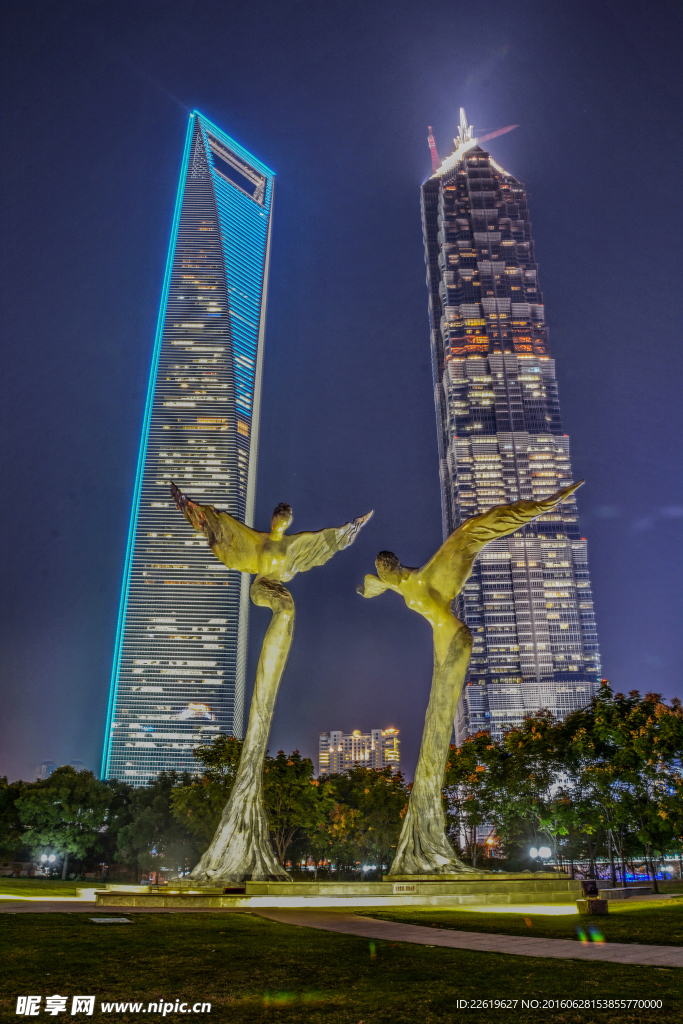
{"x": 476, "y": 876}
{"x": 494, "y": 890}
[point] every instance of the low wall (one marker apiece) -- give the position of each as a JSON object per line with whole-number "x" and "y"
{"x": 519, "y": 891}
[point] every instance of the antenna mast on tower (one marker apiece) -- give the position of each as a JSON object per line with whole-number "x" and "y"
{"x": 432, "y": 148}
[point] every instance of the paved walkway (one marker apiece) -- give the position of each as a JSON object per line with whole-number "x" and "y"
{"x": 562, "y": 949}
{"x": 393, "y": 931}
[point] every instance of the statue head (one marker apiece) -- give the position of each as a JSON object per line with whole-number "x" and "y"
{"x": 389, "y": 569}
{"x": 281, "y": 519}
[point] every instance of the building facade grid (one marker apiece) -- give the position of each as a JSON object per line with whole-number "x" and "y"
{"x": 180, "y": 650}
{"x": 377, "y": 749}
{"x": 528, "y": 601}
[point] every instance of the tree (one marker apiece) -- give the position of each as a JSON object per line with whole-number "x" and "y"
{"x": 220, "y": 759}
{"x": 290, "y": 794}
{"x": 119, "y": 814}
{"x": 364, "y": 818}
{"x": 625, "y": 755}
{"x": 154, "y": 837}
{"x": 68, "y": 811}
{"x": 198, "y": 804}
{"x": 381, "y": 796}
{"x": 11, "y": 828}
{"x": 336, "y": 837}
{"x": 531, "y": 801}
{"x": 468, "y": 791}
{"x": 291, "y": 798}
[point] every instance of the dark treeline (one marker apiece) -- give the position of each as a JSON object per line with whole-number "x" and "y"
{"x": 166, "y": 825}
{"x": 606, "y": 784}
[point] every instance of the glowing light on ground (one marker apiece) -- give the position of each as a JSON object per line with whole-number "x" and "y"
{"x": 547, "y": 909}
{"x": 79, "y": 894}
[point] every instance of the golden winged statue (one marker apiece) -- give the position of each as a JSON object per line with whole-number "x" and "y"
{"x": 272, "y": 555}
{"x": 241, "y": 848}
{"x": 423, "y": 848}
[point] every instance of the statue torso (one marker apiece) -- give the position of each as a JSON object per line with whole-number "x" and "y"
{"x": 273, "y": 557}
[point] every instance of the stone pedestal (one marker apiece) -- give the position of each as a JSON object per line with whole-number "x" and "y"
{"x": 594, "y": 906}
{"x": 525, "y": 891}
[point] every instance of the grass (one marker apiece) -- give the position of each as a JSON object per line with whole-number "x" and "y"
{"x": 254, "y": 970}
{"x": 45, "y": 887}
{"x": 654, "y": 923}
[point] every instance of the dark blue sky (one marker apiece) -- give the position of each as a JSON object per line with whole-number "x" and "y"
{"x": 336, "y": 98}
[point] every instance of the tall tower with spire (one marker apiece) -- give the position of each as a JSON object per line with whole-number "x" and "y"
{"x": 528, "y": 602}
{"x": 180, "y": 652}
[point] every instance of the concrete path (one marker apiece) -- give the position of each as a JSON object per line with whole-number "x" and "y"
{"x": 562, "y": 949}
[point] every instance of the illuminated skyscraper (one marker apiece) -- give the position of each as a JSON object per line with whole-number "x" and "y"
{"x": 179, "y": 663}
{"x": 377, "y": 749}
{"x": 528, "y": 601}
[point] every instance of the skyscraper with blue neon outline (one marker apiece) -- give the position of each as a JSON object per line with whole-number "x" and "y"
{"x": 180, "y": 653}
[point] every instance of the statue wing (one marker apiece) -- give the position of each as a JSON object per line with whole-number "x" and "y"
{"x": 452, "y": 564}
{"x": 372, "y": 587}
{"x": 306, "y": 550}
{"x": 232, "y": 542}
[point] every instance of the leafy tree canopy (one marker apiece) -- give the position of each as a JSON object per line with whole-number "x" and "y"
{"x": 154, "y": 838}
{"x": 66, "y": 812}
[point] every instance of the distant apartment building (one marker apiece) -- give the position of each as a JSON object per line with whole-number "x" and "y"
{"x": 378, "y": 748}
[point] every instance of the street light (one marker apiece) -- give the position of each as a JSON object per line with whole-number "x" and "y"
{"x": 52, "y": 858}
{"x": 545, "y": 852}
{"x": 43, "y": 858}
{"x": 533, "y": 853}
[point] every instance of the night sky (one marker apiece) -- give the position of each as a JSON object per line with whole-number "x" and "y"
{"x": 336, "y": 98}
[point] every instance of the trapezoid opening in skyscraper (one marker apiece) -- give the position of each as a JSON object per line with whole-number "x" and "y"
{"x": 528, "y": 602}
{"x": 180, "y": 651}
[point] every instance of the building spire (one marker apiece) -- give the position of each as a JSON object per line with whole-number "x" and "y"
{"x": 466, "y": 132}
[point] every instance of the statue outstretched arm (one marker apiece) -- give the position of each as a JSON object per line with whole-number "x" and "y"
{"x": 233, "y": 543}
{"x": 306, "y": 550}
{"x": 452, "y": 563}
{"x": 372, "y": 586}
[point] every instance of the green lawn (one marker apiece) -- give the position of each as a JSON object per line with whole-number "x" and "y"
{"x": 658, "y": 923}
{"x": 42, "y": 887}
{"x": 253, "y": 970}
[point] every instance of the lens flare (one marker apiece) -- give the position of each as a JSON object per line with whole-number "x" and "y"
{"x": 278, "y": 998}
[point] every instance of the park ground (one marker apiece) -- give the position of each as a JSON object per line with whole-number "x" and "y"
{"x": 650, "y": 923}
{"x": 256, "y": 970}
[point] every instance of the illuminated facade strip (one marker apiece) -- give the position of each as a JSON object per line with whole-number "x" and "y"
{"x": 200, "y": 429}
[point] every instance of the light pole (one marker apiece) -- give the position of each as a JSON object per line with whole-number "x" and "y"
{"x": 542, "y": 853}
